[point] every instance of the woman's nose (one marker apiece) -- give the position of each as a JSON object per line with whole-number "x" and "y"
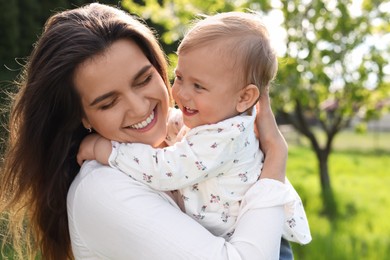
{"x": 136, "y": 104}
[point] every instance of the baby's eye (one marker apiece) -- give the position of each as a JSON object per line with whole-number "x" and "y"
{"x": 197, "y": 86}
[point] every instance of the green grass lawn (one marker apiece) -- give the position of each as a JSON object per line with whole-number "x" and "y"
{"x": 360, "y": 177}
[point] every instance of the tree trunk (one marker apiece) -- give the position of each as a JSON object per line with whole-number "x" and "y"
{"x": 329, "y": 202}
{"x": 300, "y": 123}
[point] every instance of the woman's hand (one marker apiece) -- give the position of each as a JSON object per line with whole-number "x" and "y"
{"x": 272, "y": 142}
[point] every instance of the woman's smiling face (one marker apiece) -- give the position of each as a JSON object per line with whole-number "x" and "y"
{"x": 123, "y": 96}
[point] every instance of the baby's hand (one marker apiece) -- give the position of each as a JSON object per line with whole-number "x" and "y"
{"x": 102, "y": 150}
{"x": 86, "y": 149}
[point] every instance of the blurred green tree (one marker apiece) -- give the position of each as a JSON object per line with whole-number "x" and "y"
{"x": 331, "y": 70}
{"x": 9, "y": 33}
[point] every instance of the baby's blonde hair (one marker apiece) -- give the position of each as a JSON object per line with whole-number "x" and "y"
{"x": 245, "y": 42}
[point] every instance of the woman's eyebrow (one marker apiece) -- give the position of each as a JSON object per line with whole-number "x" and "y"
{"x": 111, "y": 93}
{"x": 101, "y": 98}
{"x": 142, "y": 71}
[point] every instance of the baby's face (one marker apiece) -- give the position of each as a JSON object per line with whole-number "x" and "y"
{"x": 205, "y": 87}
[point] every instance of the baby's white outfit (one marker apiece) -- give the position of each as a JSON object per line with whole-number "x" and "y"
{"x": 212, "y": 166}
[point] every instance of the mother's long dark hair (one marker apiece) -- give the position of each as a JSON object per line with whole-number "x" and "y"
{"x": 45, "y": 127}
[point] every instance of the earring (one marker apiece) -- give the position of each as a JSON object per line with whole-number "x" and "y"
{"x": 89, "y": 130}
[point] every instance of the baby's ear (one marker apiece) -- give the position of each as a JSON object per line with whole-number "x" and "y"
{"x": 248, "y": 97}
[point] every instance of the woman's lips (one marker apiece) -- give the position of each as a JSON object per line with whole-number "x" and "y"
{"x": 147, "y": 124}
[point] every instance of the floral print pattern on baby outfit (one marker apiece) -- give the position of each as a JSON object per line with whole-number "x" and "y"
{"x": 212, "y": 166}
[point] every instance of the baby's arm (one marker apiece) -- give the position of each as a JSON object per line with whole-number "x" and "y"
{"x": 94, "y": 147}
{"x": 204, "y": 153}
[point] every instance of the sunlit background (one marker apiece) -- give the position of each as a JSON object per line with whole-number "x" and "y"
{"x": 331, "y": 99}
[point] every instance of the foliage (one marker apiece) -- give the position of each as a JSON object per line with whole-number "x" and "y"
{"x": 171, "y": 18}
{"x": 9, "y": 30}
{"x": 331, "y": 82}
{"x": 21, "y": 22}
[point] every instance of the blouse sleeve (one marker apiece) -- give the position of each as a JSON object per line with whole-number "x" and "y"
{"x": 112, "y": 216}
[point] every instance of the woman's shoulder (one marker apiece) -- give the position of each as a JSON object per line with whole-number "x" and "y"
{"x": 90, "y": 183}
{"x": 93, "y": 175}
{"x": 103, "y": 205}
{"x": 96, "y": 181}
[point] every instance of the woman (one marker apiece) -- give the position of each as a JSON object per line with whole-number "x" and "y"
{"x": 64, "y": 94}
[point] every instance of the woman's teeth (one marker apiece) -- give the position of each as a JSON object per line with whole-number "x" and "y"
{"x": 144, "y": 123}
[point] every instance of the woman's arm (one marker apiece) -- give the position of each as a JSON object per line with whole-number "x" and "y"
{"x": 111, "y": 216}
{"x": 271, "y": 140}
{"x": 275, "y": 149}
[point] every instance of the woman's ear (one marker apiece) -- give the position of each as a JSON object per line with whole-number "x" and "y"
{"x": 86, "y": 123}
{"x": 248, "y": 97}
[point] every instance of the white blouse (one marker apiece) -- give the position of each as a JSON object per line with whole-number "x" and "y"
{"x": 112, "y": 216}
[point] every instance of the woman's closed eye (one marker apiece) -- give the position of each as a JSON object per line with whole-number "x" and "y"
{"x": 145, "y": 80}
{"x": 109, "y": 104}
